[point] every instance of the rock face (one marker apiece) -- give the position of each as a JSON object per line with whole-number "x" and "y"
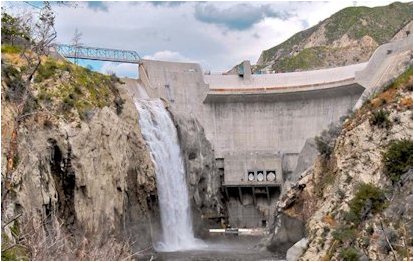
{"x": 203, "y": 177}
{"x": 290, "y": 218}
{"x": 95, "y": 176}
{"x": 306, "y": 158}
{"x": 288, "y": 231}
{"x": 327, "y": 194}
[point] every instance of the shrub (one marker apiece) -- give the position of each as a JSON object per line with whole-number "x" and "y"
{"x": 30, "y": 105}
{"x": 14, "y": 81}
{"x": 323, "y": 146}
{"x": 368, "y": 199}
{"x": 344, "y": 233}
{"x": 325, "y": 143}
{"x": 398, "y": 159}
{"x": 46, "y": 70}
{"x": 349, "y": 254}
{"x": 47, "y": 123}
{"x": 341, "y": 194}
{"x": 10, "y": 49}
{"x": 13, "y": 29}
{"x": 370, "y": 230}
{"x": 119, "y": 104}
{"x": 68, "y": 103}
{"x": 380, "y": 119}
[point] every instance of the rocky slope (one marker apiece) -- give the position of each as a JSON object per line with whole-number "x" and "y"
{"x": 203, "y": 178}
{"x": 82, "y": 184}
{"x": 356, "y": 199}
{"x": 349, "y": 36}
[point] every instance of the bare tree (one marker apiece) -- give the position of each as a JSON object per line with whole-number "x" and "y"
{"x": 76, "y": 43}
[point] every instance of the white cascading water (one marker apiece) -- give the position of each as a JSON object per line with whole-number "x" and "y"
{"x": 160, "y": 135}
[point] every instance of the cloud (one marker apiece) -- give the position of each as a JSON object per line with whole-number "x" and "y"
{"x": 167, "y": 3}
{"x": 239, "y": 16}
{"x": 97, "y": 6}
{"x": 179, "y": 33}
{"x": 120, "y": 69}
{"x": 168, "y": 55}
{"x": 256, "y": 35}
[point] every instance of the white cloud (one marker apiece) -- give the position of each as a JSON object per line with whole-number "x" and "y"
{"x": 168, "y": 55}
{"x": 121, "y": 70}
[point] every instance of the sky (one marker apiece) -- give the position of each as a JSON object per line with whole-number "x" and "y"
{"x": 218, "y": 35}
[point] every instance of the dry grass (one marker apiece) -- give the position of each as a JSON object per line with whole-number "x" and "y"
{"x": 391, "y": 94}
{"x": 58, "y": 244}
{"x": 384, "y": 98}
{"x": 330, "y": 220}
{"x": 407, "y": 102}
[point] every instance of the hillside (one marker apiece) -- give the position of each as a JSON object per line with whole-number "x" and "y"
{"x": 356, "y": 199}
{"x": 73, "y": 154}
{"x": 349, "y": 36}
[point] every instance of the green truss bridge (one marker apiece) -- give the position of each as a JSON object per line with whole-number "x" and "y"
{"x": 96, "y": 53}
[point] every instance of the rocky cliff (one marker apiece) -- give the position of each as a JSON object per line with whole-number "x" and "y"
{"x": 203, "y": 177}
{"x": 82, "y": 184}
{"x": 356, "y": 199}
{"x": 349, "y": 36}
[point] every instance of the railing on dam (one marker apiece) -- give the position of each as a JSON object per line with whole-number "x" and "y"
{"x": 96, "y": 53}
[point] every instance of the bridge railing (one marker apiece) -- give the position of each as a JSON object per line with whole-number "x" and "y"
{"x": 95, "y": 53}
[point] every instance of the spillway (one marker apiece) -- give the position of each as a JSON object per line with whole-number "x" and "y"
{"x": 161, "y": 138}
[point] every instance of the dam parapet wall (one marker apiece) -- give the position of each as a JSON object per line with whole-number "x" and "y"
{"x": 283, "y": 80}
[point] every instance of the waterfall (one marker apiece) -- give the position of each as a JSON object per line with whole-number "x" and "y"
{"x": 160, "y": 135}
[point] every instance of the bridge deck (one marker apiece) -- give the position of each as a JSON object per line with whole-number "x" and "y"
{"x": 101, "y": 54}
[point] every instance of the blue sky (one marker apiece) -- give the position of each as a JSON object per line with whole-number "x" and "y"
{"x": 218, "y": 35}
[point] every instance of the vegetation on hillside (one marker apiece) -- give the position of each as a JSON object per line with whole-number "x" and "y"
{"x": 398, "y": 159}
{"x": 369, "y": 219}
{"x": 379, "y": 23}
{"x": 286, "y": 46}
{"x": 306, "y": 59}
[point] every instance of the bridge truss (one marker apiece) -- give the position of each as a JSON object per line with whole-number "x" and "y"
{"x": 96, "y": 53}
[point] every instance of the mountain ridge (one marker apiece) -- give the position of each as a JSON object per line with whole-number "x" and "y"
{"x": 347, "y": 37}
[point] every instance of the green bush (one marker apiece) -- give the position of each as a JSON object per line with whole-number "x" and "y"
{"x": 68, "y": 103}
{"x": 344, "y": 233}
{"x": 10, "y": 49}
{"x": 13, "y": 28}
{"x": 349, "y": 254}
{"x": 49, "y": 68}
{"x": 380, "y": 119}
{"x": 325, "y": 143}
{"x": 14, "y": 81}
{"x": 398, "y": 159}
{"x": 368, "y": 199}
{"x": 323, "y": 146}
{"x": 46, "y": 70}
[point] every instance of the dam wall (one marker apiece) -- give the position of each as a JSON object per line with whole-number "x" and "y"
{"x": 266, "y": 113}
{"x": 258, "y": 124}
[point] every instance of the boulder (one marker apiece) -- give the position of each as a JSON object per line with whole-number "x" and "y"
{"x": 296, "y": 250}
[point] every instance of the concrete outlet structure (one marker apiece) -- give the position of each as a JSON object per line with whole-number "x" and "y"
{"x": 258, "y": 124}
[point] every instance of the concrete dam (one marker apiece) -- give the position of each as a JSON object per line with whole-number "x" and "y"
{"x": 258, "y": 123}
